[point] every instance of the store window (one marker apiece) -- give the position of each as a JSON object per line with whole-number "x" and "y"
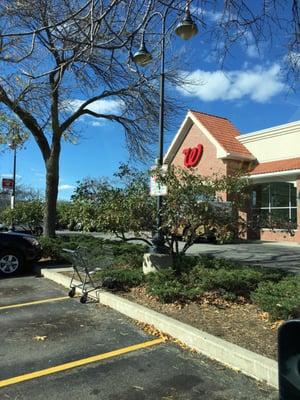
{"x": 275, "y": 205}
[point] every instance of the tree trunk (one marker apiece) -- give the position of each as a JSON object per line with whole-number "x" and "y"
{"x": 52, "y": 179}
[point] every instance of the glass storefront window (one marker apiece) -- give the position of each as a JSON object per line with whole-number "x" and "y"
{"x": 276, "y": 205}
{"x": 279, "y": 194}
{"x": 293, "y": 196}
{"x": 265, "y": 196}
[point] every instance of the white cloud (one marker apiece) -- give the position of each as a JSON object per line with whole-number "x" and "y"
{"x": 66, "y": 187}
{"x": 105, "y": 106}
{"x": 38, "y": 173}
{"x": 98, "y": 123}
{"x": 101, "y": 106}
{"x": 212, "y": 15}
{"x": 249, "y": 44}
{"x": 259, "y": 84}
{"x": 10, "y": 176}
{"x": 252, "y": 51}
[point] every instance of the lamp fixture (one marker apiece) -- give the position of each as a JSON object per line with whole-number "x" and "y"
{"x": 142, "y": 57}
{"x": 187, "y": 28}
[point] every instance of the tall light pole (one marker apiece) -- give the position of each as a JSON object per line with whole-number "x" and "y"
{"x": 13, "y": 147}
{"x": 16, "y": 140}
{"x": 185, "y": 30}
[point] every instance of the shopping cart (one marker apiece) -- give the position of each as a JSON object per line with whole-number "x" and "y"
{"x": 85, "y": 264}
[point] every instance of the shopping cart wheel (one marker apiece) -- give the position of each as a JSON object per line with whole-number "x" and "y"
{"x": 83, "y": 298}
{"x": 72, "y": 292}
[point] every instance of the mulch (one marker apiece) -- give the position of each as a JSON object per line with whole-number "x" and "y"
{"x": 239, "y": 323}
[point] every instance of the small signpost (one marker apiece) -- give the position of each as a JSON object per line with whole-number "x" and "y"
{"x": 7, "y": 183}
{"x": 156, "y": 188}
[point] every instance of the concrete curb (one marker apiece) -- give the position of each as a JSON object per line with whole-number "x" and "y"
{"x": 238, "y": 358}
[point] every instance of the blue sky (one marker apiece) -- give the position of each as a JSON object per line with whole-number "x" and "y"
{"x": 250, "y": 90}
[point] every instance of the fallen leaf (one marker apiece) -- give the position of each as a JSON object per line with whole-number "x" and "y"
{"x": 138, "y": 387}
{"x": 40, "y": 338}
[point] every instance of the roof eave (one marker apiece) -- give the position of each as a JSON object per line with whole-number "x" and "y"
{"x": 274, "y": 174}
{"x": 238, "y": 156}
{"x": 178, "y": 139}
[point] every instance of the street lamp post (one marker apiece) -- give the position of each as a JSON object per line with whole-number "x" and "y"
{"x": 13, "y": 195}
{"x": 14, "y": 180}
{"x": 185, "y": 30}
{"x": 15, "y": 141}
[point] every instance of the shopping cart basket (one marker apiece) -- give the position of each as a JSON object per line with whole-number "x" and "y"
{"x": 85, "y": 265}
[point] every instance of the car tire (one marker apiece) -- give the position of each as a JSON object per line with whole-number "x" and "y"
{"x": 11, "y": 262}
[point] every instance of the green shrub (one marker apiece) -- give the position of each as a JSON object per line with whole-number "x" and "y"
{"x": 124, "y": 278}
{"x": 184, "y": 263}
{"x": 98, "y": 251}
{"x": 237, "y": 281}
{"x": 169, "y": 288}
{"x": 189, "y": 281}
{"x": 281, "y": 300}
{"x": 128, "y": 255}
{"x": 52, "y": 247}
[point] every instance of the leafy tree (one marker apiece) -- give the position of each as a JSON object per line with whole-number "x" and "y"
{"x": 119, "y": 207}
{"x": 66, "y": 216}
{"x": 134, "y": 208}
{"x": 23, "y": 193}
{"x": 11, "y": 133}
{"x": 194, "y": 206}
{"x": 29, "y": 213}
{"x": 89, "y": 202}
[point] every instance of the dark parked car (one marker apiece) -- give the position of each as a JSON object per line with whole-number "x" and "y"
{"x": 23, "y": 228}
{"x": 16, "y": 251}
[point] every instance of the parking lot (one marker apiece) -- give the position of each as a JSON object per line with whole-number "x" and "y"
{"x": 268, "y": 254}
{"x": 53, "y": 347}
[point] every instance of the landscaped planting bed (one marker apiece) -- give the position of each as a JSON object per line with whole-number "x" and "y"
{"x": 241, "y": 304}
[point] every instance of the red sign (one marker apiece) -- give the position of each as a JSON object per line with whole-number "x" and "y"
{"x": 7, "y": 183}
{"x": 192, "y": 155}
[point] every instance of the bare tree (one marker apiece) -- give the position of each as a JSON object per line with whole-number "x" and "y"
{"x": 265, "y": 24}
{"x": 54, "y": 51}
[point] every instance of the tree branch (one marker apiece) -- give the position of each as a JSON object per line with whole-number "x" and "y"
{"x": 29, "y": 121}
{"x": 82, "y": 110}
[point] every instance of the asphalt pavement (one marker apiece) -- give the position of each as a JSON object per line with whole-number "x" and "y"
{"x": 54, "y": 347}
{"x": 268, "y": 254}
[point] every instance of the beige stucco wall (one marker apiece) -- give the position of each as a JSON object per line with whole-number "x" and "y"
{"x": 277, "y": 143}
{"x": 209, "y": 165}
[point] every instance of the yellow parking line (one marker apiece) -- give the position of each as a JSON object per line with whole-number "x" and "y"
{"x": 78, "y": 363}
{"x": 34, "y": 302}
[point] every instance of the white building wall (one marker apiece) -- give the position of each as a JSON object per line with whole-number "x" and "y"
{"x": 277, "y": 143}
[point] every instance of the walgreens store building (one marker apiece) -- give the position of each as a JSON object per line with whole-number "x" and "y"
{"x": 271, "y": 157}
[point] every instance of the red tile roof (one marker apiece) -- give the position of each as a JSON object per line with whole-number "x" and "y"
{"x": 276, "y": 166}
{"x": 223, "y": 131}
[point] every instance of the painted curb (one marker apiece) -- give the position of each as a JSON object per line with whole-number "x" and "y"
{"x": 236, "y": 357}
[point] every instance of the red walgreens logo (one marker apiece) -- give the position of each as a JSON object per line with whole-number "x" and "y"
{"x": 192, "y": 155}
